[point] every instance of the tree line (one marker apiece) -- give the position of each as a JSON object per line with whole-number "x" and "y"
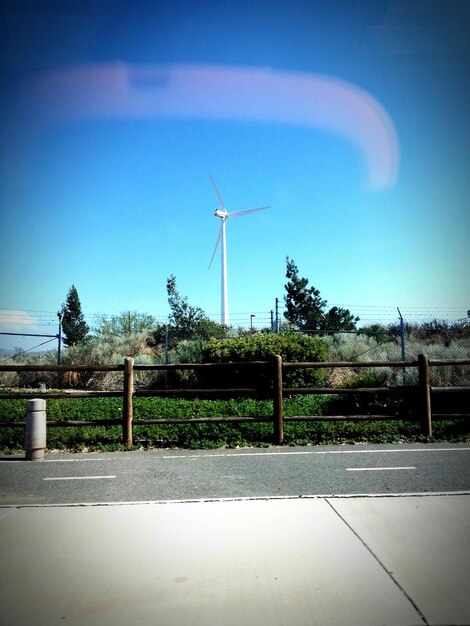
{"x": 305, "y": 310}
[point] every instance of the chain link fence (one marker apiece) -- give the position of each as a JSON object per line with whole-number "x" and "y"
{"x": 27, "y": 334}
{"x": 36, "y": 338}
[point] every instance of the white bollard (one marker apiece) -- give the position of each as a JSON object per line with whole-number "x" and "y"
{"x": 35, "y": 436}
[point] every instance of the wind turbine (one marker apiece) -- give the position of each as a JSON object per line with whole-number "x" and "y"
{"x": 224, "y": 215}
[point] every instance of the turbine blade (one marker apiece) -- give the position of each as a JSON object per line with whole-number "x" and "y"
{"x": 219, "y": 237}
{"x": 222, "y": 205}
{"x": 247, "y": 211}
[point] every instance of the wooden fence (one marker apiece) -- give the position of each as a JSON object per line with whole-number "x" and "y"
{"x": 422, "y": 393}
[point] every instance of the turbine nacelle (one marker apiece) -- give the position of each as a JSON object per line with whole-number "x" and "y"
{"x": 220, "y": 213}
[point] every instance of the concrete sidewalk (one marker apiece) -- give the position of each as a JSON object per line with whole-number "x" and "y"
{"x": 326, "y": 561}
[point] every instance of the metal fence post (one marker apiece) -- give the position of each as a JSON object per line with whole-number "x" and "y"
{"x": 425, "y": 394}
{"x": 167, "y": 349}
{"x": 402, "y": 341}
{"x": 127, "y": 409}
{"x": 278, "y": 411}
{"x": 59, "y": 348}
{"x": 35, "y": 434}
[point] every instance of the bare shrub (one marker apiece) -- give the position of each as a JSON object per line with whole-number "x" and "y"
{"x": 363, "y": 348}
{"x": 110, "y": 350}
{"x": 9, "y": 379}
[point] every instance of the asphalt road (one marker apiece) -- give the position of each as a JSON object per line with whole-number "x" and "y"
{"x": 175, "y": 475}
{"x": 222, "y": 537}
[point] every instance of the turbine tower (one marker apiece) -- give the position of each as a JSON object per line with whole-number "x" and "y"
{"x": 224, "y": 215}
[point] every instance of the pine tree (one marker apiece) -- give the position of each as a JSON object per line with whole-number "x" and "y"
{"x": 304, "y": 306}
{"x": 306, "y": 310}
{"x": 186, "y": 320}
{"x": 185, "y": 317}
{"x": 74, "y": 327}
{"x": 340, "y": 319}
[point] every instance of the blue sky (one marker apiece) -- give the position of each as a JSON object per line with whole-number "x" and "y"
{"x": 350, "y": 119}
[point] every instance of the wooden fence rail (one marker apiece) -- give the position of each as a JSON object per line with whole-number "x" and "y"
{"x": 275, "y": 368}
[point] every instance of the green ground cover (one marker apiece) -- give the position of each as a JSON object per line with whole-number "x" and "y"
{"x": 197, "y": 436}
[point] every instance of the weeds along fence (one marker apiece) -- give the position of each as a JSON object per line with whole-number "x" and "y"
{"x": 419, "y": 399}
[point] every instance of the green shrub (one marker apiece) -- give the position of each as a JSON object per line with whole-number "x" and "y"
{"x": 291, "y": 346}
{"x": 378, "y": 332}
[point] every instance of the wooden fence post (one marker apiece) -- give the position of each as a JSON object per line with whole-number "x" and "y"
{"x": 278, "y": 410}
{"x": 127, "y": 408}
{"x": 425, "y": 394}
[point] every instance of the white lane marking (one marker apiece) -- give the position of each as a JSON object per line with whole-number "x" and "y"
{"x": 237, "y": 454}
{"x": 124, "y": 458}
{"x": 299, "y": 453}
{"x": 78, "y": 477}
{"x": 377, "y": 469}
{"x": 215, "y": 500}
